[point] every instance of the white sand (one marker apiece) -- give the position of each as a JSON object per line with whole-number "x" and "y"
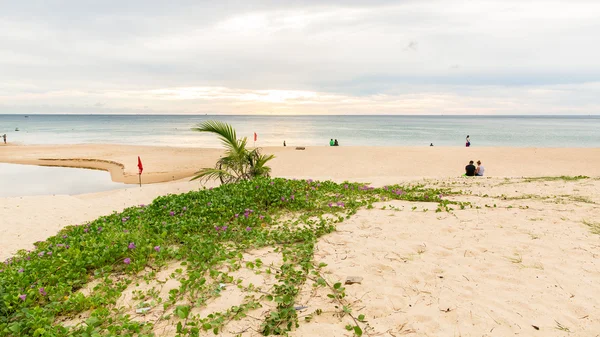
{"x": 499, "y": 271}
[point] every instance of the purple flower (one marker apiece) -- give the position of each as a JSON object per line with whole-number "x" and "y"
{"x": 261, "y": 217}
{"x": 64, "y": 236}
{"x": 142, "y": 205}
{"x": 164, "y": 207}
{"x": 131, "y": 245}
{"x": 1, "y": 270}
{"x": 157, "y": 248}
{"x": 272, "y": 183}
{"x": 237, "y": 215}
{"x": 40, "y": 254}
{"x": 126, "y": 231}
{"x": 49, "y": 253}
{"x": 184, "y": 208}
{"x": 124, "y": 219}
{"x": 217, "y": 228}
{"x": 28, "y": 258}
{"x": 127, "y": 261}
{"x": 99, "y": 229}
{"x": 426, "y": 197}
{"x": 246, "y": 215}
{"x": 282, "y": 198}
{"x": 224, "y": 228}
{"x": 67, "y": 246}
{"x": 248, "y": 229}
{"x": 330, "y": 204}
{"x": 21, "y": 270}
{"x": 85, "y": 230}
{"x": 256, "y": 186}
{"x": 292, "y": 197}
{"x": 441, "y": 196}
{"x": 23, "y": 297}
{"x": 171, "y": 213}
{"x": 209, "y": 204}
{"x": 310, "y": 181}
{"x": 42, "y": 291}
{"x": 341, "y": 204}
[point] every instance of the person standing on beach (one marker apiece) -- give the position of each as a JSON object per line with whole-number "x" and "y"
{"x": 468, "y": 142}
{"x": 470, "y": 169}
{"x": 284, "y": 144}
{"x": 335, "y": 143}
{"x": 331, "y": 143}
{"x": 4, "y": 136}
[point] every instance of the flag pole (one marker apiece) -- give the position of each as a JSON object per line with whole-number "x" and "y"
{"x": 140, "y": 175}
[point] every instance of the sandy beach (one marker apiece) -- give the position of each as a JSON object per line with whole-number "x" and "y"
{"x": 523, "y": 262}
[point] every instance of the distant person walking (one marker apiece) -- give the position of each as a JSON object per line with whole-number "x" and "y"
{"x": 470, "y": 169}
{"x": 431, "y": 144}
{"x": 468, "y": 144}
{"x": 4, "y": 136}
{"x": 331, "y": 143}
{"x": 284, "y": 144}
{"x": 335, "y": 143}
{"x": 480, "y": 169}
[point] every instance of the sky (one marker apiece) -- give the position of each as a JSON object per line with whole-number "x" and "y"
{"x": 450, "y": 57}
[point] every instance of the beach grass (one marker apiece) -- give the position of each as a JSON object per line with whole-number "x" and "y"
{"x": 199, "y": 232}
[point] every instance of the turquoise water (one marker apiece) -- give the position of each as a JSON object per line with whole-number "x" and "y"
{"x": 23, "y": 180}
{"x": 519, "y": 131}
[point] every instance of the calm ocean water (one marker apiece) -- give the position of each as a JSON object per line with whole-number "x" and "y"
{"x": 519, "y": 131}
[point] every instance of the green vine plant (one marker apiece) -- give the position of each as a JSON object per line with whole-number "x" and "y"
{"x": 75, "y": 283}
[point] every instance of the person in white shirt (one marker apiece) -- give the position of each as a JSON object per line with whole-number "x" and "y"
{"x": 480, "y": 169}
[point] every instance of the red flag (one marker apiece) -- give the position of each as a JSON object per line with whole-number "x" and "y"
{"x": 140, "y": 166}
{"x": 255, "y": 137}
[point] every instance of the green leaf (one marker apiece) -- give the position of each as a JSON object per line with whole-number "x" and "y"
{"x": 361, "y": 317}
{"x": 216, "y": 330}
{"x": 358, "y": 331}
{"x": 337, "y": 285}
{"x": 206, "y": 326}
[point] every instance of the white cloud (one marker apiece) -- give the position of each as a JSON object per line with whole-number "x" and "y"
{"x": 307, "y": 57}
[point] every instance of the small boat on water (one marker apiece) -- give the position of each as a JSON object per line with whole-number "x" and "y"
{"x": 17, "y": 129}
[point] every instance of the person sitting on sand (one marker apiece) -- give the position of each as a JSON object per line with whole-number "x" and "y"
{"x": 480, "y": 169}
{"x": 470, "y": 169}
{"x": 431, "y": 144}
{"x": 331, "y": 142}
{"x": 335, "y": 143}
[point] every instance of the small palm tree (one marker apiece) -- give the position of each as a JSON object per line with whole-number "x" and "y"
{"x": 238, "y": 163}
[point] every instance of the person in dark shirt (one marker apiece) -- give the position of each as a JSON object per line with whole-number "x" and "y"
{"x": 335, "y": 143}
{"x": 470, "y": 169}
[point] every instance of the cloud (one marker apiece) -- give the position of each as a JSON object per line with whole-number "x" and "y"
{"x": 78, "y": 52}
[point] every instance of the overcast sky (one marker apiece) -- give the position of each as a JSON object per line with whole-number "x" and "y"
{"x": 300, "y": 57}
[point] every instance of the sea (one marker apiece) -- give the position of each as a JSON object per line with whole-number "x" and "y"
{"x": 176, "y": 130}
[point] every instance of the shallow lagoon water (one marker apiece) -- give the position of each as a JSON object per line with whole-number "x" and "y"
{"x": 25, "y": 180}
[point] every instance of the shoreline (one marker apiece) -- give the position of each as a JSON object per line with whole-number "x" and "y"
{"x": 163, "y": 164}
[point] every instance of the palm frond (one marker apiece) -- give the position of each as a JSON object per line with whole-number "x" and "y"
{"x": 212, "y": 173}
{"x": 238, "y": 163}
{"x": 224, "y": 131}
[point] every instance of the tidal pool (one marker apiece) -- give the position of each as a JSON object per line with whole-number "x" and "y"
{"x": 23, "y": 180}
